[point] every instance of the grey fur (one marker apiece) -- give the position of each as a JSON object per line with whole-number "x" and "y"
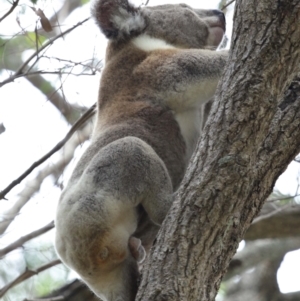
{"x": 157, "y": 75}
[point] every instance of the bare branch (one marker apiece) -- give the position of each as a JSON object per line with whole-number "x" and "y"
{"x": 38, "y": 51}
{"x": 272, "y": 225}
{"x": 257, "y": 266}
{"x": 14, "y": 5}
{"x": 282, "y": 198}
{"x": 88, "y": 64}
{"x": 259, "y": 250}
{"x": 28, "y": 274}
{"x": 76, "y": 290}
{"x": 57, "y": 72}
{"x": 59, "y": 298}
{"x": 55, "y": 169}
{"x": 67, "y": 8}
{"x": 257, "y": 284}
{"x": 18, "y": 243}
{"x": 290, "y": 297}
{"x": 272, "y": 213}
{"x": 225, "y": 6}
{"x": 86, "y": 116}
{"x": 69, "y": 111}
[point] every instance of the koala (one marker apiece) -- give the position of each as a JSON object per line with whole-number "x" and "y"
{"x": 160, "y": 68}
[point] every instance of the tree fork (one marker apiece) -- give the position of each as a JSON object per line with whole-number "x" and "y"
{"x": 249, "y": 139}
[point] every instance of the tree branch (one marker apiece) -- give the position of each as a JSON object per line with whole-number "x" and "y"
{"x": 290, "y": 297}
{"x": 71, "y": 112}
{"x": 227, "y": 4}
{"x": 28, "y": 274}
{"x": 283, "y": 198}
{"x": 74, "y": 291}
{"x": 80, "y": 122}
{"x": 258, "y": 284}
{"x": 272, "y": 225}
{"x": 19, "y": 243}
{"x": 273, "y": 213}
{"x": 55, "y": 169}
{"x": 13, "y": 62}
{"x": 55, "y": 72}
{"x": 37, "y": 52}
{"x": 14, "y": 5}
{"x": 258, "y": 251}
{"x": 59, "y": 298}
{"x": 67, "y": 8}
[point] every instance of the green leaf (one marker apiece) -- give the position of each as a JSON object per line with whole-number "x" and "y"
{"x": 31, "y": 36}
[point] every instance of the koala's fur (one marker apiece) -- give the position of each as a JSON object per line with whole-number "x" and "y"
{"x": 160, "y": 68}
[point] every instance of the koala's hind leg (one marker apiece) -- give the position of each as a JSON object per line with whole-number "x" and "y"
{"x": 130, "y": 171}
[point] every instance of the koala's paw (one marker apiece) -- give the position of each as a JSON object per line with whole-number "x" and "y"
{"x": 137, "y": 250}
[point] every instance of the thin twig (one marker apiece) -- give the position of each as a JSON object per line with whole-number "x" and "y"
{"x": 28, "y": 274}
{"x": 87, "y": 65}
{"x": 283, "y": 198}
{"x": 14, "y": 5}
{"x": 225, "y": 6}
{"x": 59, "y": 298}
{"x": 86, "y": 116}
{"x": 71, "y": 112}
{"x": 20, "y": 70}
{"x": 272, "y": 213}
{"x": 55, "y": 169}
{"x": 58, "y": 72}
{"x": 18, "y": 243}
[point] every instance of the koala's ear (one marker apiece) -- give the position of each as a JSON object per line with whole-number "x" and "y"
{"x": 118, "y": 18}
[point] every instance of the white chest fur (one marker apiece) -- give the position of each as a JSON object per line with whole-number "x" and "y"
{"x": 189, "y": 123}
{"x": 147, "y": 43}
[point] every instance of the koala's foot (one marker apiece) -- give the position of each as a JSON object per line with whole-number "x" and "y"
{"x": 137, "y": 250}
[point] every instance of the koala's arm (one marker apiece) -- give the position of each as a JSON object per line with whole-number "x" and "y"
{"x": 183, "y": 78}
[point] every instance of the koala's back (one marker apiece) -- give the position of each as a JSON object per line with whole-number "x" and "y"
{"x": 147, "y": 124}
{"x": 129, "y": 106}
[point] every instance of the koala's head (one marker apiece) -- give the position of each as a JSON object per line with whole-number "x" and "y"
{"x": 117, "y": 284}
{"x": 178, "y": 25}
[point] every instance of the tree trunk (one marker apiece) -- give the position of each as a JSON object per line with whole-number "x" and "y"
{"x": 251, "y": 135}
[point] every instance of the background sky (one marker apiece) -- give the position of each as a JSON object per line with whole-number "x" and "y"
{"x": 34, "y": 126}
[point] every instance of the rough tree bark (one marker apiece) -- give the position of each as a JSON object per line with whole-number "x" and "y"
{"x": 250, "y": 137}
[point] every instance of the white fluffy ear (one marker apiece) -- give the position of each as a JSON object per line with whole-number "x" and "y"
{"x": 118, "y": 18}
